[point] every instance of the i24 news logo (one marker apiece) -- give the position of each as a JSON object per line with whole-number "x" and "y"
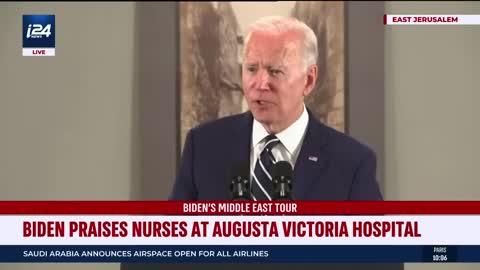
{"x": 37, "y": 30}
{"x": 38, "y": 35}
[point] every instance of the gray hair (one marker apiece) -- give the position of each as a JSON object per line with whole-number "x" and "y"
{"x": 284, "y": 24}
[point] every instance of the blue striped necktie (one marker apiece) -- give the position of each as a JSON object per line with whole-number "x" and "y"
{"x": 262, "y": 185}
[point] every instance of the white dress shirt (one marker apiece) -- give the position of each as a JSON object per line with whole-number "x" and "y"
{"x": 291, "y": 140}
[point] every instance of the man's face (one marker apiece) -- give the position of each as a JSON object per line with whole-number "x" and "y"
{"x": 274, "y": 77}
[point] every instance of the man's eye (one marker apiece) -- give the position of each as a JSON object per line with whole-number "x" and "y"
{"x": 251, "y": 69}
{"x": 275, "y": 72}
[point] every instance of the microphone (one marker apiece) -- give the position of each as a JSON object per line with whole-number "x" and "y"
{"x": 282, "y": 181}
{"x": 240, "y": 181}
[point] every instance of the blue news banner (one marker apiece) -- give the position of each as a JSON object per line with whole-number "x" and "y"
{"x": 239, "y": 254}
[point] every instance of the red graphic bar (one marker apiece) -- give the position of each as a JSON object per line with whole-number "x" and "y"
{"x": 384, "y": 19}
{"x": 237, "y": 208}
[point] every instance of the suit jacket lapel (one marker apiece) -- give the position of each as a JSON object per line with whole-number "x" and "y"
{"x": 311, "y": 160}
{"x": 241, "y": 140}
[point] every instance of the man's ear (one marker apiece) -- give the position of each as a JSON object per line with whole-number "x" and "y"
{"x": 310, "y": 80}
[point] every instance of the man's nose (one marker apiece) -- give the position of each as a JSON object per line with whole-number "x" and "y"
{"x": 263, "y": 80}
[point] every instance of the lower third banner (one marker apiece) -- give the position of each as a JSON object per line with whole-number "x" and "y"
{"x": 239, "y": 254}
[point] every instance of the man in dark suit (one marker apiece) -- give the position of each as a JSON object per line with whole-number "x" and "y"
{"x": 278, "y": 72}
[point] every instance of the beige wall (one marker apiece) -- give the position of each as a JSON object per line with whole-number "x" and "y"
{"x": 68, "y": 122}
{"x": 432, "y": 127}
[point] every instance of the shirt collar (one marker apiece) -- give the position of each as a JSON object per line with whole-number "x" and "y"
{"x": 290, "y": 137}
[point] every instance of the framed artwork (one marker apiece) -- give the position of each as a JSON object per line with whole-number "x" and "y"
{"x": 211, "y": 45}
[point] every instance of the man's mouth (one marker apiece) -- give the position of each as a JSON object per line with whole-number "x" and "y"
{"x": 262, "y": 102}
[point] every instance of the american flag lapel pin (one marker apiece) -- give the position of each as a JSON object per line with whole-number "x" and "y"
{"x": 313, "y": 158}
